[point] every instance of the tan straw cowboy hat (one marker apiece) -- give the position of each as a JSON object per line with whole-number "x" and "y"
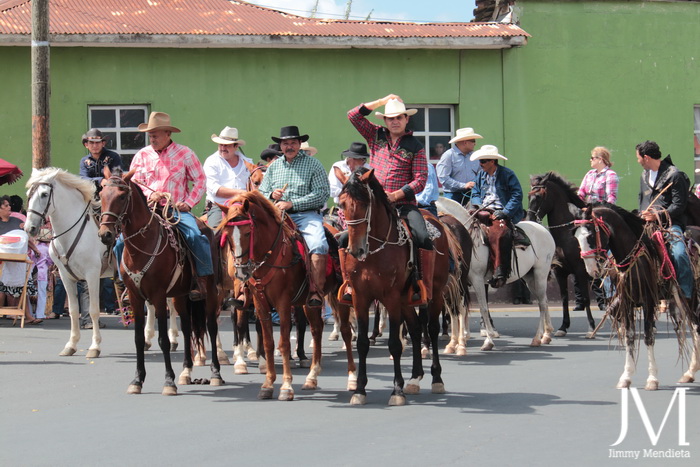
{"x": 487, "y": 152}
{"x": 158, "y": 121}
{"x": 465, "y": 134}
{"x": 394, "y": 108}
{"x": 228, "y": 136}
{"x": 310, "y": 150}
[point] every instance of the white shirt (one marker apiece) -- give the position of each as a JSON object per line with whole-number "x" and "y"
{"x": 336, "y": 185}
{"x": 220, "y": 174}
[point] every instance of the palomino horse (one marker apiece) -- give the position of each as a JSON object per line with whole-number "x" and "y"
{"x": 379, "y": 247}
{"x": 532, "y": 264}
{"x": 644, "y": 278}
{"x": 550, "y": 195}
{"x": 68, "y": 201}
{"x": 266, "y": 254}
{"x": 151, "y": 253}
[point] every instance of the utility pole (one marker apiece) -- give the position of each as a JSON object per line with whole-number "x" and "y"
{"x": 41, "y": 88}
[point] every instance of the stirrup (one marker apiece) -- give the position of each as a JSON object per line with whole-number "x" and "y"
{"x": 345, "y": 293}
{"x": 315, "y": 300}
{"x": 418, "y": 297}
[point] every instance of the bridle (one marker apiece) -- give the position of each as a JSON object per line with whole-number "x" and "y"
{"x": 43, "y": 215}
{"x": 538, "y": 192}
{"x": 598, "y": 225}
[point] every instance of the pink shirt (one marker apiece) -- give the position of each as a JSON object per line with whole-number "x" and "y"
{"x": 43, "y": 263}
{"x": 171, "y": 171}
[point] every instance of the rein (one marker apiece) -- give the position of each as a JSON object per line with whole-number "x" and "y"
{"x": 599, "y": 224}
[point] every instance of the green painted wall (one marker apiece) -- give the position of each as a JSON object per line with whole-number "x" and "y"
{"x": 602, "y": 73}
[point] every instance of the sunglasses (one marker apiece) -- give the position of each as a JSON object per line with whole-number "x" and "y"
{"x": 484, "y": 161}
{"x": 594, "y": 158}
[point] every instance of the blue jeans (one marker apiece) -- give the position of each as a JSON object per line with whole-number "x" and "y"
{"x": 462, "y": 197}
{"x": 59, "y": 297}
{"x": 198, "y": 243}
{"x": 310, "y": 224}
{"x": 680, "y": 260}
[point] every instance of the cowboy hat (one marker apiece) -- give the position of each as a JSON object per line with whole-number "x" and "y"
{"x": 158, "y": 121}
{"x": 487, "y": 152}
{"x": 356, "y": 151}
{"x": 271, "y": 151}
{"x": 94, "y": 135}
{"x": 465, "y": 134}
{"x": 394, "y": 108}
{"x": 228, "y": 136}
{"x": 310, "y": 150}
{"x": 290, "y": 132}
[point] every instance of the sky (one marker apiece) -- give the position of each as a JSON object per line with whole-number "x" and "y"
{"x": 399, "y": 10}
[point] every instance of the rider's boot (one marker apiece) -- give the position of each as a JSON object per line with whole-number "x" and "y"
{"x": 200, "y": 291}
{"x": 345, "y": 290}
{"x": 317, "y": 278}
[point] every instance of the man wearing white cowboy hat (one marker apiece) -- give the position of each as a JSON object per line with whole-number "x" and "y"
{"x": 353, "y": 158}
{"x": 227, "y": 172}
{"x": 297, "y": 184}
{"x": 498, "y": 189}
{"x": 400, "y": 165}
{"x": 456, "y": 170}
{"x": 167, "y": 167}
{"x": 92, "y": 166}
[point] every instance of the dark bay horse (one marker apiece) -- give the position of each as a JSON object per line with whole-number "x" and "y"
{"x": 642, "y": 281}
{"x": 267, "y": 255}
{"x": 154, "y": 268}
{"x": 553, "y": 197}
{"x": 378, "y": 267}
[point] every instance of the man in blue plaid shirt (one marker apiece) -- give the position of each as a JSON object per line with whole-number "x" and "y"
{"x": 297, "y": 184}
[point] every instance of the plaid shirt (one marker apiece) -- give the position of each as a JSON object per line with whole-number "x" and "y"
{"x": 305, "y": 177}
{"x": 398, "y": 166}
{"x": 599, "y": 186}
{"x": 171, "y": 171}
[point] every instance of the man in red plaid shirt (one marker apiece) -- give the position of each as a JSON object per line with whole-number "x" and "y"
{"x": 399, "y": 163}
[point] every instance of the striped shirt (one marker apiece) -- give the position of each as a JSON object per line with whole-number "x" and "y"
{"x": 170, "y": 171}
{"x": 599, "y": 186}
{"x": 398, "y": 165}
{"x": 305, "y": 177}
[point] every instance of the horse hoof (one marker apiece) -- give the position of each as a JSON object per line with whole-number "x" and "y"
{"x": 652, "y": 385}
{"x": 358, "y": 399}
{"x": 252, "y": 356}
{"x": 396, "y": 400}
{"x": 216, "y": 382}
{"x": 461, "y": 351}
{"x": 483, "y": 333}
{"x": 686, "y": 379}
{"x": 134, "y": 389}
{"x": 263, "y": 369}
{"x": 333, "y": 336}
{"x": 487, "y": 346}
{"x": 560, "y": 333}
{"x": 535, "y": 343}
{"x": 184, "y": 380}
{"x": 200, "y": 362}
{"x": 173, "y": 346}
{"x": 305, "y": 363}
{"x": 67, "y": 352}
{"x": 169, "y": 391}
{"x": 310, "y": 385}
{"x": 425, "y": 353}
{"x": 286, "y": 395}
{"x": 590, "y": 335}
{"x": 93, "y": 353}
{"x": 546, "y": 340}
{"x": 449, "y": 350}
{"x": 623, "y": 384}
{"x": 147, "y": 346}
{"x": 240, "y": 369}
{"x": 265, "y": 393}
{"x": 411, "y": 389}
{"x": 438, "y": 388}
{"x": 352, "y": 386}
{"x": 373, "y": 342}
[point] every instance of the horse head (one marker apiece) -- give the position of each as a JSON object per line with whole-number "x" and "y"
{"x": 39, "y": 205}
{"x": 115, "y": 198}
{"x": 593, "y": 236}
{"x": 257, "y": 173}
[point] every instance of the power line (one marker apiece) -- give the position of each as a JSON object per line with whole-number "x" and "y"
{"x": 320, "y": 15}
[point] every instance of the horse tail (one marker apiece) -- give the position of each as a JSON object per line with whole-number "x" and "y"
{"x": 198, "y": 321}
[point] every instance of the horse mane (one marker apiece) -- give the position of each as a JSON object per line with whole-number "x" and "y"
{"x": 49, "y": 174}
{"x": 355, "y": 189}
{"x": 256, "y": 198}
{"x": 636, "y": 223}
{"x": 569, "y": 188}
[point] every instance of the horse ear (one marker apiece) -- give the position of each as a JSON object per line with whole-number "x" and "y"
{"x": 106, "y": 172}
{"x": 127, "y": 176}
{"x": 340, "y": 175}
{"x": 223, "y": 207}
{"x": 364, "y": 177}
{"x": 250, "y": 167}
{"x": 246, "y": 205}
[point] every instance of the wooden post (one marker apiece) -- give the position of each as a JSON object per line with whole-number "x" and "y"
{"x": 41, "y": 88}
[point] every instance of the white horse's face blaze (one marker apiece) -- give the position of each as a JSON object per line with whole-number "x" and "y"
{"x": 586, "y": 241}
{"x": 241, "y": 240}
{"x": 358, "y": 241}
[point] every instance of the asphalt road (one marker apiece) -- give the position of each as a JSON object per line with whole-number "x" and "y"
{"x": 514, "y": 406}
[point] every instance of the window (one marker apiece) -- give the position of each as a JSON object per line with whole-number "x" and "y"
{"x": 696, "y": 143}
{"x": 433, "y": 125}
{"x": 119, "y": 123}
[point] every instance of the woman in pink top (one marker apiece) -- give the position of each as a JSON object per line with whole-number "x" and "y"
{"x": 600, "y": 183}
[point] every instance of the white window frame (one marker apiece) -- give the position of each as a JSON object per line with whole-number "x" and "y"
{"x": 428, "y": 134}
{"x": 118, "y": 129}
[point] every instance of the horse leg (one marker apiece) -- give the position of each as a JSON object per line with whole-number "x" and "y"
{"x": 313, "y": 315}
{"x": 537, "y": 282}
{"x": 582, "y": 278}
{"x": 169, "y": 388}
{"x": 140, "y": 342}
{"x": 359, "y": 397}
{"x": 395, "y": 349}
{"x": 173, "y": 332}
{"x": 480, "y": 292}
{"x": 301, "y": 322}
{"x": 649, "y": 338}
{"x": 150, "y": 330}
{"x": 262, "y": 358}
{"x": 626, "y": 378}
{"x": 239, "y": 367}
{"x": 417, "y": 328}
{"x": 71, "y": 346}
{"x": 180, "y": 305}
{"x": 220, "y": 353}
{"x": 564, "y": 294}
{"x": 252, "y": 354}
{"x": 285, "y": 348}
{"x": 93, "y": 289}
{"x": 342, "y": 319}
{"x": 689, "y": 376}
{"x": 211, "y": 311}
{"x": 451, "y": 346}
{"x": 376, "y": 331}
{"x": 436, "y": 305}
{"x": 268, "y": 343}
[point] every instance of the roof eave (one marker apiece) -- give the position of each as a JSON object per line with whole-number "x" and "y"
{"x": 268, "y": 41}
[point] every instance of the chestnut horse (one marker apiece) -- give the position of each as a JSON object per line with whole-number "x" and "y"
{"x": 266, "y": 254}
{"x": 379, "y": 247}
{"x": 153, "y": 268}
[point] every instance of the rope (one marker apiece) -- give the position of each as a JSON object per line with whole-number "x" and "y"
{"x": 666, "y": 269}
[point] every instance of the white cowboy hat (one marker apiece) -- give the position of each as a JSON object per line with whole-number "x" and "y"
{"x": 464, "y": 134}
{"x": 310, "y": 150}
{"x": 487, "y": 151}
{"x": 158, "y": 121}
{"x": 228, "y": 136}
{"x": 394, "y": 108}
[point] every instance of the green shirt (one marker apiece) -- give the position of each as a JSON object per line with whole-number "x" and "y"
{"x": 306, "y": 180}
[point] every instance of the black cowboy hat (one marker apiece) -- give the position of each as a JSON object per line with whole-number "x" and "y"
{"x": 270, "y": 152}
{"x": 356, "y": 151}
{"x": 290, "y": 132}
{"x": 93, "y": 135}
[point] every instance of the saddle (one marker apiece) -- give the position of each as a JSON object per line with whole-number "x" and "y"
{"x": 520, "y": 238}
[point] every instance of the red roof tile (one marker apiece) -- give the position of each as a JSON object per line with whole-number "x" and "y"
{"x": 220, "y": 17}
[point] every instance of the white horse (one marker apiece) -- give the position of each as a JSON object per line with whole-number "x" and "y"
{"x": 68, "y": 201}
{"x": 532, "y": 264}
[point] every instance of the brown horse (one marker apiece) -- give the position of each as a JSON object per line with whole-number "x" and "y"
{"x": 151, "y": 255}
{"x": 378, "y": 247}
{"x": 267, "y": 255}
